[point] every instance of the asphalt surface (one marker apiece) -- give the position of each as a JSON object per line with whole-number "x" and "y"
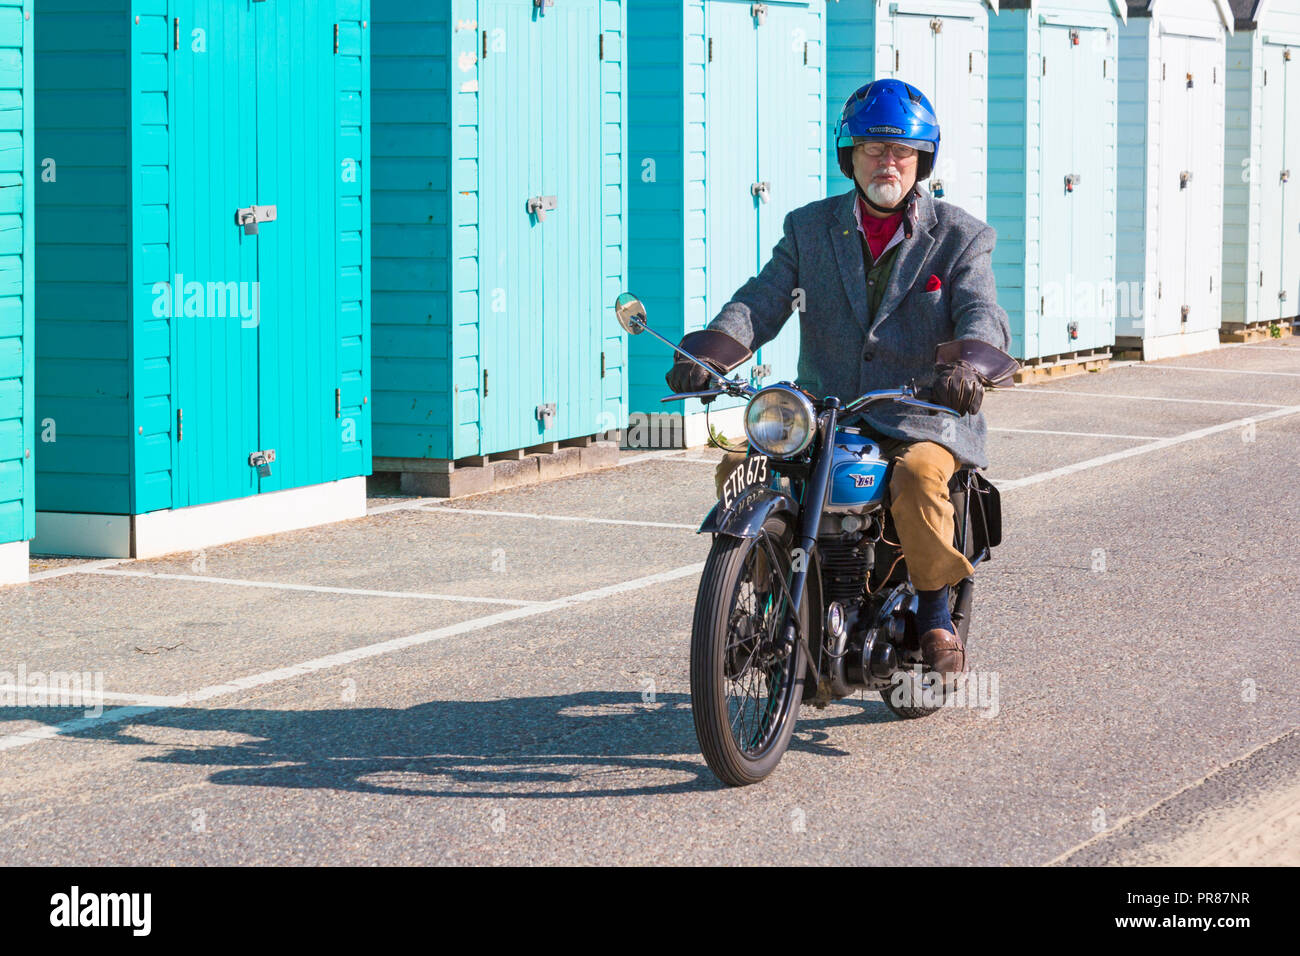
{"x": 510, "y": 688}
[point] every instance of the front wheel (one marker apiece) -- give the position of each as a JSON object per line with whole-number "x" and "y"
{"x": 745, "y": 693}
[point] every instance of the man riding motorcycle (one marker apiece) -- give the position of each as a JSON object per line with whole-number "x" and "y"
{"x": 882, "y": 275}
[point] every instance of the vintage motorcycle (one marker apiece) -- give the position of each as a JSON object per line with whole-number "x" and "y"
{"x": 805, "y": 596}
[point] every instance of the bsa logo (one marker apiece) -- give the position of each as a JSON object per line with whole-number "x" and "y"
{"x": 863, "y": 481}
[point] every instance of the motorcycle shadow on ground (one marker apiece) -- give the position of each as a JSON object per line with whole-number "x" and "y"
{"x": 590, "y": 744}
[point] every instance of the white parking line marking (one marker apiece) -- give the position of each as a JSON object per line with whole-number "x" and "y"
{"x": 524, "y": 514}
{"x": 1036, "y": 390}
{"x": 320, "y": 588}
{"x": 1221, "y": 371}
{"x": 1143, "y": 449}
{"x": 89, "y": 697}
{"x": 1043, "y": 431}
{"x": 24, "y": 737}
{"x": 401, "y": 505}
{"x": 76, "y": 568}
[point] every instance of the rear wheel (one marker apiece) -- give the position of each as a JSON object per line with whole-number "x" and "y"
{"x": 914, "y": 693}
{"x": 745, "y": 693}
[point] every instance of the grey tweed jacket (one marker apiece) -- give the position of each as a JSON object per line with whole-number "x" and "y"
{"x": 841, "y": 352}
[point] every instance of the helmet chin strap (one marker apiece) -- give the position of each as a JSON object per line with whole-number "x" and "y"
{"x": 887, "y": 210}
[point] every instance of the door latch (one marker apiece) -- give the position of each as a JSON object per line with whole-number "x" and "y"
{"x": 759, "y": 12}
{"x": 1286, "y": 175}
{"x": 1282, "y": 296}
{"x": 261, "y": 460}
{"x": 936, "y": 25}
{"x": 936, "y": 188}
{"x": 541, "y": 6}
{"x": 249, "y": 217}
{"x": 1073, "y": 329}
{"x": 760, "y": 372}
{"x": 1186, "y": 309}
{"x": 1071, "y": 180}
{"x": 1184, "y": 178}
{"x": 546, "y": 414}
{"x": 761, "y": 190}
{"x": 538, "y": 205}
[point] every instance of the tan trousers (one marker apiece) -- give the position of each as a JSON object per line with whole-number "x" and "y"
{"x": 923, "y": 512}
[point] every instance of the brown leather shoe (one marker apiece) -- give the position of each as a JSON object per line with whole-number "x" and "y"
{"x": 944, "y": 653}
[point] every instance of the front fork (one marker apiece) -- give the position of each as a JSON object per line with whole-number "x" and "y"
{"x": 810, "y": 516}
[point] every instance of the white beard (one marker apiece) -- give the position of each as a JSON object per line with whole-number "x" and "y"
{"x": 886, "y": 194}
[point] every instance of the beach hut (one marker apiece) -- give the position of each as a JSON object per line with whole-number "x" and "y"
{"x": 1261, "y": 175}
{"x": 17, "y": 516}
{"x": 1171, "y": 107}
{"x": 202, "y": 272}
{"x": 1052, "y": 142}
{"x": 939, "y": 46}
{"x": 726, "y": 135}
{"x": 499, "y": 210}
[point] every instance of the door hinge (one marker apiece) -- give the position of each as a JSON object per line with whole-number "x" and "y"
{"x": 546, "y": 414}
{"x": 338, "y": 403}
{"x": 970, "y": 62}
{"x": 176, "y": 33}
{"x": 1041, "y": 300}
{"x": 1103, "y": 67}
{"x": 1160, "y": 290}
{"x": 1211, "y": 281}
{"x": 710, "y": 49}
{"x": 805, "y": 52}
{"x": 484, "y": 54}
{"x": 261, "y": 460}
{"x": 602, "y": 364}
{"x": 336, "y": 38}
{"x": 485, "y": 383}
{"x": 180, "y": 424}
{"x": 250, "y": 216}
{"x": 896, "y": 58}
{"x": 1164, "y": 71}
{"x": 600, "y": 48}
{"x": 1261, "y": 278}
{"x": 1044, "y": 66}
{"x": 759, "y": 12}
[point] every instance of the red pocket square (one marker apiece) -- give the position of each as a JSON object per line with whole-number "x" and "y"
{"x": 933, "y": 284}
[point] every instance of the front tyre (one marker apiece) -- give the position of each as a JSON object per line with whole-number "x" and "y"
{"x": 745, "y": 694}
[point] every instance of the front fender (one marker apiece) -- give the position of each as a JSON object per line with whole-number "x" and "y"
{"x": 748, "y": 512}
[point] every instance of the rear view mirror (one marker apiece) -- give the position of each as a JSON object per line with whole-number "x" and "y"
{"x": 630, "y": 313}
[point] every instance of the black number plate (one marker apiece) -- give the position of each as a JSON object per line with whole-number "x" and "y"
{"x": 751, "y": 471}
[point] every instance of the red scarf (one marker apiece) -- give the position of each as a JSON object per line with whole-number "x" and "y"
{"x": 878, "y": 232}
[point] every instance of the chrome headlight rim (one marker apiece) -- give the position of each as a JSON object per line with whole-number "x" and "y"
{"x": 805, "y": 405}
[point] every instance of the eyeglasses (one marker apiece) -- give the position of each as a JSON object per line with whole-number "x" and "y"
{"x": 899, "y": 151}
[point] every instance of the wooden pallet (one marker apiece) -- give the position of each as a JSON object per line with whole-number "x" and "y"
{"x": 1238, "y": 332}
{"x": 1061, "y": 368}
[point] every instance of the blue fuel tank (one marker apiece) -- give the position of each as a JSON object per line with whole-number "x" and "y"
{"x": 857, "y": 474}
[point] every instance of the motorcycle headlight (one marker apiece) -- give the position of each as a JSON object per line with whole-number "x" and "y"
{"x": 780, "y": 421}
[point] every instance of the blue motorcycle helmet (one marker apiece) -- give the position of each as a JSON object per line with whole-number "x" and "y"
{"x": 889, "y": 110}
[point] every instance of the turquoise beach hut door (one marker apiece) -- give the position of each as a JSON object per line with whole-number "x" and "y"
{"x": 257, "y": 325}
{"x": 943, "y": 54}
{"x": 1076, "y": 285}
{"x": 1279, "y": 293}
{"x": 539, "y": 279}
{"x": 217, "y": 367}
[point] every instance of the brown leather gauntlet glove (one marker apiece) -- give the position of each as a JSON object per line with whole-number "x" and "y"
{"x": 957, "y": 385}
